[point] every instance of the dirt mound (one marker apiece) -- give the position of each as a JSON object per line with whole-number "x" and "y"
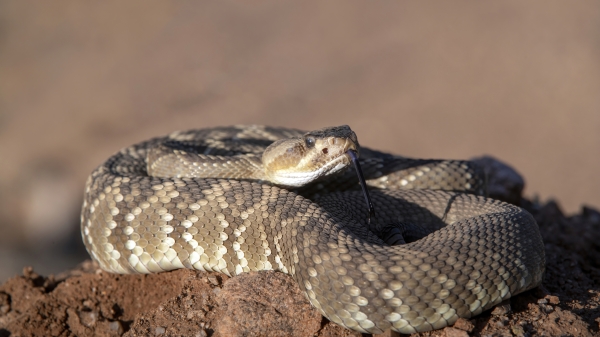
{"x": 87, "y": 301}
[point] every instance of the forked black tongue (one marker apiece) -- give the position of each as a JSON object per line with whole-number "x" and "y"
{"x": 363, "y": 184}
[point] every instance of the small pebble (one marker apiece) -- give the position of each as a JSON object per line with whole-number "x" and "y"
{"x": 4, "y": 309}
{"x": 517, "y": 330}
{"x": 546, "y": 308}
{"x": 213, "y": 279}
{"x": 201, "y": 333}
{"x": 464, "y": 325}
{"x": 88, "y": 318}
{"x": 552, "y": 299}
{"x": 116, "y": 327}
{"x": 159, "y": 330}
{"x": 502, "y": 321}
{"x": 502, "y": 309}
{"x": 4, "y": 303}
{"x": 29, "y": 273}
{"x": 452, "y": 332}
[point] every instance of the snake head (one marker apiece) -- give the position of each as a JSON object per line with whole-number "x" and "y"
{"x": 298, "y": 161}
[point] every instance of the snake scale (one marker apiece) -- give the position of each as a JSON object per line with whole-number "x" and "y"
{"x": 212, "y": 199}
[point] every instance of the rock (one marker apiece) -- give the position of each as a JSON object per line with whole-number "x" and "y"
{"x": 552, "y": 299}
{"x": 88, "y": 318}
{"x": 546, "y": 308}
{"x": 116, "y": 327}
{"x": 464, "y": 325}
{"x": 452, "y": 332}
{"x": 213, "y": 279}
{"x": 255, "y": 302}
{"x": 502, "y": 309}
{"x": 517, "y": 331}
{"x": 4, "y": 303}
{"x": 186, "y": 314}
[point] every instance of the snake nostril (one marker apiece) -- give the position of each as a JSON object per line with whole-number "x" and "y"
{"x": 325, "y": 151}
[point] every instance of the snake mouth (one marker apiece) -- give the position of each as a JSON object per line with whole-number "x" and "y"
{"x": 363, "y": 184}
{"x": 301, "y": 178}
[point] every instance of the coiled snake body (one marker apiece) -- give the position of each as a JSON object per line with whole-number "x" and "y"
{"x": 211, "y": 200}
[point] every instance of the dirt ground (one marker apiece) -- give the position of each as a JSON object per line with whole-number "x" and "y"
{"x": 80, "y": 80}
{"x": 89, "y": 302}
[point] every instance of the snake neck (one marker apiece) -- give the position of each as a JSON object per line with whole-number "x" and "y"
{"x": 166, "y": 162}
{"x": 289, "y": 162}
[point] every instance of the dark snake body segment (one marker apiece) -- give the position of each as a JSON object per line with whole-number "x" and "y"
{"x": 480, "y": 251}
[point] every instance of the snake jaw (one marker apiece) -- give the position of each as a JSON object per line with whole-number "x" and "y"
{"x": 298, "y": 178}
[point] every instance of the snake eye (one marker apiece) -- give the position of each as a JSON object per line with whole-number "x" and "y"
{"x": 310, "y": 142}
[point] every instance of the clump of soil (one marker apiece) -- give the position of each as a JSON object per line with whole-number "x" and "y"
{"x": 89, "y": 302}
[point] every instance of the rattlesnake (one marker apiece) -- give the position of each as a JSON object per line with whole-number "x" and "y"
{"x": 209, "y": 205}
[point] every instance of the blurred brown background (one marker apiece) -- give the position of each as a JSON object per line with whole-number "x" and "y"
{"x": 79, "y": 80}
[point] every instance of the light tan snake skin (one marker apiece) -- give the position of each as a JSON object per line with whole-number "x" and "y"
{"x": 466, "y": 253}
